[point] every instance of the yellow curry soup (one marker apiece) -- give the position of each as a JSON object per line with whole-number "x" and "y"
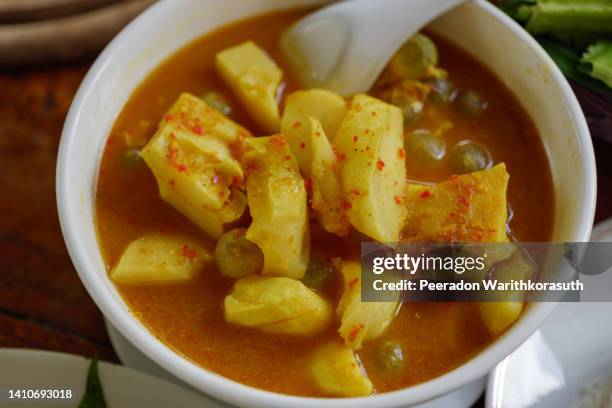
{"x": 223, "y": 187}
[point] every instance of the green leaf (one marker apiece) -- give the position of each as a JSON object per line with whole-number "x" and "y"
{"x": 571, "y": 18}
{"x": 568, "y": 61}
{"x": 517, "y": 9}
{"x": 94, "y": 395}
{"x": 597, "y": 61}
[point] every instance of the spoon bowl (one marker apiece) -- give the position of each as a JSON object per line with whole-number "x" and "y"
{"x": 344, "y": 47}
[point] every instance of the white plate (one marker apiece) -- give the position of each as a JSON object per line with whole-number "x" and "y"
{"x": 569, "y": 352}
{"x": 123, "y": 387}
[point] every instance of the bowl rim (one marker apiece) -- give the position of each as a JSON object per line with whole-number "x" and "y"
{"x": 243, "y": 395}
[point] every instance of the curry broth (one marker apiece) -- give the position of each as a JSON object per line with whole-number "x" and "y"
{"x": 188, "y": 317}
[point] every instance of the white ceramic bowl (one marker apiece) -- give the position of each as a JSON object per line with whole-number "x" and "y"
{"x": 477, "y": 26}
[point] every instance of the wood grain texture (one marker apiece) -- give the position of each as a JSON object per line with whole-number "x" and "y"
{"x": 42, "y": 302}
{"x": 67, "y": 37}
{"x": 13, "y": 11}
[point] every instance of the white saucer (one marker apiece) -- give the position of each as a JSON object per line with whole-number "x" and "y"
{"x": 132, "y": 357}
{"x": 23, "y": 369}
{"x": 569, "y": 352}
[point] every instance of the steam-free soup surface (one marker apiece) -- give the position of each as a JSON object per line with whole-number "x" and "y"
{"x": 188, "y": 317}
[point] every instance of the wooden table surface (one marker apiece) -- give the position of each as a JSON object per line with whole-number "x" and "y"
{"x": 42, "y": 302}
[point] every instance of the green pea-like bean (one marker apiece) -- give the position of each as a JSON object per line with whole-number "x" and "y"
{"x": 236, "y": 256}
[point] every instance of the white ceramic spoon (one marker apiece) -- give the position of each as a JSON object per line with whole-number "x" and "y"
{"x": 344, "y": 47}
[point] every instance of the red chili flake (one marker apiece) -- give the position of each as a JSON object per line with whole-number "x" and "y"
{"x": 398, "y": 199}
{"x": 318, "y": 134}
{"x": 181, "y": 167}
{"x": 355, "y": 331}
{"x": 353, "y": 282}
{"x": 278, "y": 141}
{"x": 347, "y": 205}
{"x": 168, "y": 117}
{"x": 339, "y": 156}
{"x": 189, "y": 253}
{"x": 110, "y": 141}
{"x": 171, "y": 154}
{"x": 380, "y": 164}
{"x": 401, "y": 153}
{"x": 355, "y": 192}
{"x": 172, "y": 183}
{"x": 297, "y": 124}
{"x": 355, "y": 138}
{"x": 287, "y": 157}
{"x": 303, "y": 145}
{"x": 198, "y": 130}
{"x": 425, "y": 194}
{"x": 367, "y": 131}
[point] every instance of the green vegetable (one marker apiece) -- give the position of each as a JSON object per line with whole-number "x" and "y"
{"x": 517, "y": 9}
{"x": 569, "y": 19}
{"x": 217, "y": 101}
{"x": 390, "y": 357}
{"x": 565, "y": 28}
{"x": 131, "y": 158}
{"x": 442, "y": 90}
{"x": 416, "y": 59}
{"x": 318, "y": 273}
{"x": 568, "y": 60}
{"x": 598, "y": 58}
{"x": 236, "y": 256}
{"x": 94, "y": 395}
{"x": 408, "y": 95}
{"x": 426, "y": 147}
{"x": 471, "y": 103}
{"x": 412, "y": 109}
{"x": 468, "y": 157}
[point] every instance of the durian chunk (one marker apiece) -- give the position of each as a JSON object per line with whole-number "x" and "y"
{"x": 277, "y": 305}
{"x": 467, "y": 208}
{"x": 327, "y": 107}
{"x": 277, "y": 202}
{"x": 498, "y": 316}
{"x": 327, "y": 198}
{"x": 360, "y": 321}
{"x": 160, "y": 258}
{"x": 254, "y": 77}
{"x": 372, "y": 167}
{"x": 193, "y": 159}
{"x": 338, "y": 372}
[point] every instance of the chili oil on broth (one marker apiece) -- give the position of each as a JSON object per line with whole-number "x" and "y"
{"x": 188, "y": 317}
